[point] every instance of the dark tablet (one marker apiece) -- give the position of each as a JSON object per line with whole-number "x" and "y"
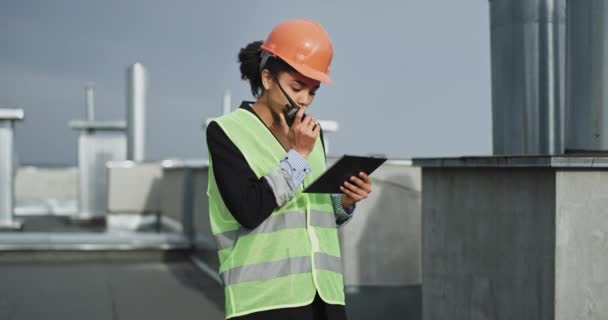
{"x": 334, "y": 177}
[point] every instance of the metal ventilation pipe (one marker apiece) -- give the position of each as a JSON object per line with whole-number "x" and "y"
{"x": 227, "y": 105}
{"x": 528, "y": 55}
{"x": 98, "y": 143}
{"x": 8, "y": 117}
{"x": 587, "y": 69}
{"x": 89, "y": 102}
{"x": 136, "y": 112}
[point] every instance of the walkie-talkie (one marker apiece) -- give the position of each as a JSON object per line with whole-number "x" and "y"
{"x": 291, "y": 109}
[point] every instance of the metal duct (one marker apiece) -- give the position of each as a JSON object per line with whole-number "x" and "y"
{"x": 528, "y": 55}
{"x": 587, "y": 69}
{"x": 7, "y": 167}
{"x": 136, "y": 112}
{"x": 89, "y": 101}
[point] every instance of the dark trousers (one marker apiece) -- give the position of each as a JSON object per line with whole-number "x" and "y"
{"x": 317, "y": 310}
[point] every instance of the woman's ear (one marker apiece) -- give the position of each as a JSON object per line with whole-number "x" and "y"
{"x": 266, "y": 79}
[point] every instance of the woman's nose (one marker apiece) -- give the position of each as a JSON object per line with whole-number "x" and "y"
{"x": 304, "y": 99}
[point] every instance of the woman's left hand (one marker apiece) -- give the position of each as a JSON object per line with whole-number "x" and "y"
{"x": 356, "y": 189}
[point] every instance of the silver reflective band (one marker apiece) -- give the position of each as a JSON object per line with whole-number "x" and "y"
{"x": 325, "y": 261}
{"x": 281, "y": 185}
{"x": 289, "y": 220}
{"x": 322, "y": 219}
{"x": 273, "y": 223}
{"x": 280, "y": 268}
{"x": 227, "y": 239}
{"x": 266, "y": 271}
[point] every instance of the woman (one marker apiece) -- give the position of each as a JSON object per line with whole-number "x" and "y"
{"x": 278, "y": 247}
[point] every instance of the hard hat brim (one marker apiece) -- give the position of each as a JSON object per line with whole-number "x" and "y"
{"x": 310, "y": 72}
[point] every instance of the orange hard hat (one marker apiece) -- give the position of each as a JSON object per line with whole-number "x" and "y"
{"x": 304, "y": 45}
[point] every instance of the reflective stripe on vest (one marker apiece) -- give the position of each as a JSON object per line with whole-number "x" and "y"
{"x": 280, "y": 268}
{"x": 289, "y": 220}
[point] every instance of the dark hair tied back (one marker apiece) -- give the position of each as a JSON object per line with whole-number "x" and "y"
{"x": 250, "y": 58}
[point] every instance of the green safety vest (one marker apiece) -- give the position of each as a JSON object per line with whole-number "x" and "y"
{"x": 295, "y": 252}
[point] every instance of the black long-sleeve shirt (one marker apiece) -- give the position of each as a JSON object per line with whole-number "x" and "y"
{"x": 249, "y": 198}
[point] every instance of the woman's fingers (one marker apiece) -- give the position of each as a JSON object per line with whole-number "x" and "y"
{"x": 350, "y": 194}
{"x": 299, "y": 115}
{"x": 356, "y": 190}
{"x": 362, "y": 184}
{"x": 365, "y": 178}
{"x": 359, "y": 189}
{"x": 306, "y": 120}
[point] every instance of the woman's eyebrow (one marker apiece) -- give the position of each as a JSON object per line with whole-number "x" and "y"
{"x": 303, "y": 84}
{"x": 300, "y": 82}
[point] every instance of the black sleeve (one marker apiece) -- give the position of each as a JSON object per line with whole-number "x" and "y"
{"x": 249, "y": 198}
{"x": 322, "y": 140}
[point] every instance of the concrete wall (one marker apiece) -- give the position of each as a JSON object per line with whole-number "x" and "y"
{"x": 582, "y": 245}
{"x": 190, "y": 208}
{"x": 43, "y": 191}
{"x": 202, "y": 225}
{"x": 134, "y": 187}
{"x": 34, "y": 183}
{"x": 381, "y": 243}
{"x": 172, "y": 194}
{"x": 488, "y": 241}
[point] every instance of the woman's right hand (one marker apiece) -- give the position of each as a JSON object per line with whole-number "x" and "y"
{"x": 303, "y": 133}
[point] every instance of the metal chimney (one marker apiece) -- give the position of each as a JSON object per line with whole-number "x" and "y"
{"x": 587, "y": 67}
{"x": 89, "y": 101}
{"x": 227, "y": 105}
{"x": 136, "y": 112}
{"x": 98, "y": 143}
{"x": 528, "y": 55}
{"x": 8, "y": 117}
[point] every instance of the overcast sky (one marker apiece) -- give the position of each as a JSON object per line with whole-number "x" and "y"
{"x": 412, "y": 77}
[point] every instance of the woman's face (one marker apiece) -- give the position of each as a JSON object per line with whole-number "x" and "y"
{"x": 300, "y": 89}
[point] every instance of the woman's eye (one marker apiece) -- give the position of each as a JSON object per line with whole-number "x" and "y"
{"x": 313, "y": 93}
